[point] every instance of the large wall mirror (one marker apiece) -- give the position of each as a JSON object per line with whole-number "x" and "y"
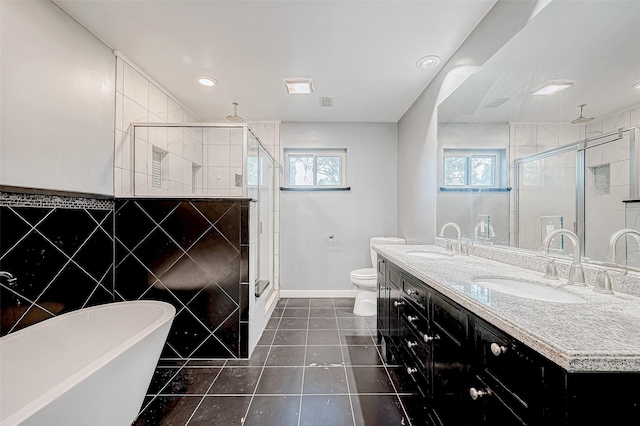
{"x": 545, "y": 135}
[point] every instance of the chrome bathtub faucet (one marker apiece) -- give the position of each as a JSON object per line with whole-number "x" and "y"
{"x": 10, "y": 278}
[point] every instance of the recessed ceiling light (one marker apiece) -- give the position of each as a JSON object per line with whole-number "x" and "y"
{"x": 551, "y": 87}
{"x": 297, "y": 86}
{"x": 637, "y": 85}
{"x": 428, "y": 62}
{"x": 205, "y": 80}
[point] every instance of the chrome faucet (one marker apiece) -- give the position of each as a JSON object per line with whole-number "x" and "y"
{"x": 576, "y": 274}
{"x": 459, "y": 237}
{"x": 616, "y": 236}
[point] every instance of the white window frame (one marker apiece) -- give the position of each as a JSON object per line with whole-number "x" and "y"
{"x": 315, "y": 152}
{"x": 499, "y": 165}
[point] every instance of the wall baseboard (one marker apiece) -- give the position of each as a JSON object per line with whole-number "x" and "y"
{"x": 317, "y": 293}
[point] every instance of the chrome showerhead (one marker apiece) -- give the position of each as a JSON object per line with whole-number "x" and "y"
{"x": 582, "y": 118}
{"x": 235, "y": 117}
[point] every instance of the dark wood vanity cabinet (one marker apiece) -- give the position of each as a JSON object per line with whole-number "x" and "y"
{"x": 472, "y": 373}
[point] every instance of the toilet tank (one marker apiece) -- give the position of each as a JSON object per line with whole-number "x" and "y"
{"x": 377, "y": 241}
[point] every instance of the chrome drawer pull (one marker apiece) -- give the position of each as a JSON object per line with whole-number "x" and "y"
{"x": 396, "y": 303}
{"x": 412, "y": 370}
{"x": 411, "y": 292}
{"x": 475, "y": 394}
{"x": 383, "y": 288}
{"x": 428, "y": 338}
{"x": 411, "y": 344}
{"x": 411, "y": 319}
{"x": 497, "y": 350}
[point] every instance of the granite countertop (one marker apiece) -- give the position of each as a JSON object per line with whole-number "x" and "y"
{"x": 602, "y": 334}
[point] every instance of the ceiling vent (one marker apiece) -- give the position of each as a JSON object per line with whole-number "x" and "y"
{"x": 326, "y": 101}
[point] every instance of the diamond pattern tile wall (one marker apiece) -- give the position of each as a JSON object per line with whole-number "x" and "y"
{"x": 188, "y": 253}
{"x": 60, "y": 253}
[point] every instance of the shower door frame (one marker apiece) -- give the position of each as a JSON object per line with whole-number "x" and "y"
{"x": 580, "y": 148}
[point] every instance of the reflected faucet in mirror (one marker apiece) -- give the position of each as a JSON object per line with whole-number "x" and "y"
{"x": 614, "y": 240}
{"x": 459, "y": 236}
{"x": 576, "y": 274}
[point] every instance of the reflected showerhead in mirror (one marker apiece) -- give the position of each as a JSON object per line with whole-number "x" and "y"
{"x": 235, "y": 117}
{"x": 582, "y": 118}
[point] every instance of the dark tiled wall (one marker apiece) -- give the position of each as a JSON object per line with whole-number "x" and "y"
{"x": 60, "y": 250}
{"x": 193, "y": 254}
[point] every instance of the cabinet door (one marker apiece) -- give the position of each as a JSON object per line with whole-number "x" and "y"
{"x": 450, "y": 379}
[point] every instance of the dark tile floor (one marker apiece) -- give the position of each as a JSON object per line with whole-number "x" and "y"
{"x": 316, "y": 364}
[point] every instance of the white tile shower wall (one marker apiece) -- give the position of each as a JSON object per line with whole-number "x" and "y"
{"x": 531, "y": 138}
{"x": 140, "y": 99}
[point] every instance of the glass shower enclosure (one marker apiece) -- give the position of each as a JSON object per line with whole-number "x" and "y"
{"x": 212, "y": 161}
{"x": 588, "y": 187}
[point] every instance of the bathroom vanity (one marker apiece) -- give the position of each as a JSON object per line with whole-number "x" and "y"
{"x": 478, "y": 356}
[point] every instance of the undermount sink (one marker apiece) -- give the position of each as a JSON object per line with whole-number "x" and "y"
{"x": 528, "y": 290}
{"x": 430, "y": 254}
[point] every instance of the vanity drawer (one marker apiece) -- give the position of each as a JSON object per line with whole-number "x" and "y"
{"x": 517, "y": 371}
{"x": 415, "y": 345}
{"x": 450, "y": 318}
{"x": 415, "y": 292}
{"x": 382, "y": 266}
{"x": 414, "y": 320}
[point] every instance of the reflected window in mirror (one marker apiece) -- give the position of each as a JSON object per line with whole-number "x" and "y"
{"x": 473, "y": 168}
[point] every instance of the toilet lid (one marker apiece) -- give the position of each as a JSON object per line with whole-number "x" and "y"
{"x": 364, "y": 273}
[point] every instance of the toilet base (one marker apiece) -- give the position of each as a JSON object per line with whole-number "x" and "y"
{"x": 366, "y": 303}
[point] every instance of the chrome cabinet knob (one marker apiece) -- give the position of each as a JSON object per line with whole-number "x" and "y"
{"x": 411, "y": 319}
{"x": 411, "y": 344}
{"x": 497, "y": 349}
{"x": 411, "y": 292}
{"x": 428, "y": 338}
{"x": 412, "y": 370}
{"x": 396, "y": 303}
{"x": 475, "y": 393}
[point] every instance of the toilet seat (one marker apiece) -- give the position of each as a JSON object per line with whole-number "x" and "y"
{"x": 364, "y": 274}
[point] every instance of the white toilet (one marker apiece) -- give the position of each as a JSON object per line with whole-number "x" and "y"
{"x": 366, "y": 279}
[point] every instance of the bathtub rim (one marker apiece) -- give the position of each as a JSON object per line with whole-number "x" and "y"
{"x": 168, "y": 314}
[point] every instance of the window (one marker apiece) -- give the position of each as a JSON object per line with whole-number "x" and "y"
{"x": 315, "y": 168}
{"x": 478, "y": 168}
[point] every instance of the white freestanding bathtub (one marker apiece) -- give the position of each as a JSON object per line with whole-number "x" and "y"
{"x": 89, "y": 367}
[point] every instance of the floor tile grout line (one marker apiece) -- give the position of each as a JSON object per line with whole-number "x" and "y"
{"x": 404, "y": 410}
{"x": 253, "y": 395}
{"x": 304, "y": 363}
{"x": 178, "y": 369}
{"x": 346, "y": 378}
{"x": 205, "y": 394}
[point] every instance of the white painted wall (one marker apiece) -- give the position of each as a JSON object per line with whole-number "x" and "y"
{"x": 308, "y": 261}
{"x": 58, "y": 92}
{"x": 417, "y": 129}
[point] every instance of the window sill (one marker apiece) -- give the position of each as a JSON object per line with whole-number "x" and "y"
{"x": 341, "y": 188}
{"x": 449, "y": 189}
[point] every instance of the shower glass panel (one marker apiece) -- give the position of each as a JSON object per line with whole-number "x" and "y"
{"x": 546, "y": 199}
{"x": 607, "y": 186}
{"x": 265, "y": 217}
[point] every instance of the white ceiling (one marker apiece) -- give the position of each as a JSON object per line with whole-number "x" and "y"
{"x": 361, "y": 53}
{"x": 595, "y": 43}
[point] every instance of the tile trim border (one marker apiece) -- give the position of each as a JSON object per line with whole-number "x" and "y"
{"x": 54, "y": 199}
